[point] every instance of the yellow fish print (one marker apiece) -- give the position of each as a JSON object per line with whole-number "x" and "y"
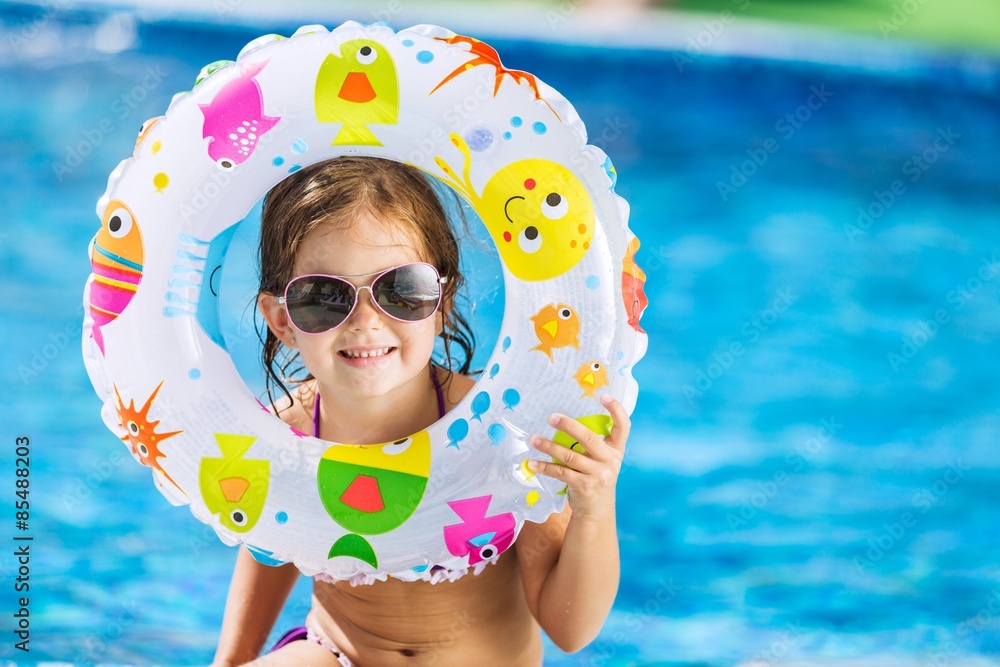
{"x": 357, "y": 86}
{"x": 233, "y": 487}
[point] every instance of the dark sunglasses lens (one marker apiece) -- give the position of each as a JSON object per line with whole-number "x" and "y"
{"x": 319, "y": 304}
{"x": 408, "y": 293}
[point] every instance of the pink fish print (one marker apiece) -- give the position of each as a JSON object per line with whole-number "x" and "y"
{"x": 481, "y": 537}
{"x": 235, "y": 120}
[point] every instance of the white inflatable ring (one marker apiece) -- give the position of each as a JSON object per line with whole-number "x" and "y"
{"x": 454, "y": 495}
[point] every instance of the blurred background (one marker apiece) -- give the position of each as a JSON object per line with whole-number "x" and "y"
{"x": 812, "y": 474}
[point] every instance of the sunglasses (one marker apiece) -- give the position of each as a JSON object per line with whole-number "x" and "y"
{"x": 317, "y": 303}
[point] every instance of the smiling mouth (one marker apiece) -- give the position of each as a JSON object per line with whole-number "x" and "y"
{"x": 366, "y": 354}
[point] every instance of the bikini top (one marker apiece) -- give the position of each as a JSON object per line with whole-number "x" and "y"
{"x": 437, "y": 388}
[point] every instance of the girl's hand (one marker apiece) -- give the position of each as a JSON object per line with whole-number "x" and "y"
{"x": 590, "y": 476}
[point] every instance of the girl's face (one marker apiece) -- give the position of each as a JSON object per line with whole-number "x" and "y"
{"x": 367, "y": 246}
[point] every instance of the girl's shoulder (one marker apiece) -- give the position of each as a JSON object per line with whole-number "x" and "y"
{"x": 297, "y": 410}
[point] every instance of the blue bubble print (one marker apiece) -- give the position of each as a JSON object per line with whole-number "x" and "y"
{"x": 480, "y": 404}
{"x": 457, "y": 432}
{"x": 511, "y": 398}
{"x": 497, "y": 433}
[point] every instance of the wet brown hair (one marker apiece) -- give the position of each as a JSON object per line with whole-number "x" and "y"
{"x": 334, "y": 193}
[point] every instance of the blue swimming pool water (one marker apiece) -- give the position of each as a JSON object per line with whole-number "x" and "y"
{"x": 793, "y": 490}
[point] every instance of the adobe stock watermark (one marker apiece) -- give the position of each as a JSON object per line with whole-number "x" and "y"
{"x": 561, "y": 13}
{"x": 786, "y": 127}
{"x": 387, "y": 13}
{"x": 460, "y": 625}
{"x": 927, "y": 330}
{"x": 776, "y": 651}
{"x": 122, "y": 108}
{"x": 902, "y": 13}
{"x": 796, "y": 461}
{"x": 50, "y": 346}
{"x": 923, "y": 500}
{"x": 966, "y": 630}
{"x": 82, "y": 488}
{"x": 636, "y": 621}
{"x": 913, "y": 169}
{"x": 611, "y": 130}
{"x": 983, "y": 618}
{"x": 711, "y": 30}
{"x": 752, "y": 330}
{"x": 460, "y": 112}
{"x": 93, "y": 647}
{"x": 224, "y": 7}
{"x": 19, "y": 37}
{"x": 656, "y": 258}
{"x": 205, "y": 538}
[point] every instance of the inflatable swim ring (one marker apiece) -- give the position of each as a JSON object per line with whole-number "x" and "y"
{"x": 456, "y": 494}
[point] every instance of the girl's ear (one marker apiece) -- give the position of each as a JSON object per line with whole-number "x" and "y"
{"x": 277, "y": 318}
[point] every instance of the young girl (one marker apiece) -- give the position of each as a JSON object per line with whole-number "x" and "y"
{"x": 370, "y": 380}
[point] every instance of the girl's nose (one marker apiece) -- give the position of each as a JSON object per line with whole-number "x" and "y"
{"x": 366, "y": 315}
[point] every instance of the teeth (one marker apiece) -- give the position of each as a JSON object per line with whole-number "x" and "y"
{"x": 357, "y": 354}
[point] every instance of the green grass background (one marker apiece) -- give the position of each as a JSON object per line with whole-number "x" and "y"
{"x": 952, "y": 24}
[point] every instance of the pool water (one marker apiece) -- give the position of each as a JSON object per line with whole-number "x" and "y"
{"x": 812, "y": 470}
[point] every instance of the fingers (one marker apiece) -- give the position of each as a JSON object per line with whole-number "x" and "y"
{"x": 574, "y": 460}
{"x": 599, "y": 451}
{"x": 622, "y": 423}
{"x": 592, "y": 442}
{"x": 592, "y": 464}
{"x": 566, "y": 475}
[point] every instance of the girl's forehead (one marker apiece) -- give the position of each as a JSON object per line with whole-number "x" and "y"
{"x": 362, "y": 247}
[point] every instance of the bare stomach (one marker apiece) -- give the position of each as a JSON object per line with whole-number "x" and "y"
{"x": 479, "y": 619}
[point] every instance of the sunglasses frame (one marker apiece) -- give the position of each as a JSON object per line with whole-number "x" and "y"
{"x": 357, "y": 294}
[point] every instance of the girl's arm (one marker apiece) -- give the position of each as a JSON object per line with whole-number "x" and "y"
{"x": 257, "y": 594}
{"x": 570, "y": 573}
{"x": 570, "y": 564}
